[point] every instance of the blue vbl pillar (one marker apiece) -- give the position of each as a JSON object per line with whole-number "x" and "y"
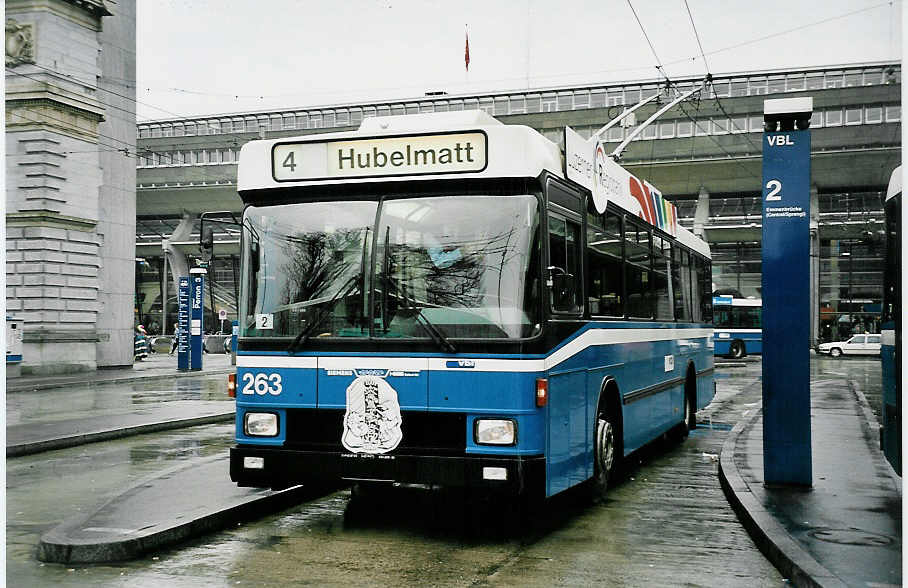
{"x": 787, "y": 457}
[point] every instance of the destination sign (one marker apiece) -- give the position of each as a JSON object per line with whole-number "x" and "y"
{"x": 380, "y": 156}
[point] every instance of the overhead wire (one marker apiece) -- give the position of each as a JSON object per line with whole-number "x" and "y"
{"x": 730, "y": 119}
{"x": 126, "y": 144}
{"x": 523, "y": 79}
{"x": 659, "y": 67}
{"x": 697, "y": 35}
{"x": 131, "y": 99}
{"x": 784, "y": 32}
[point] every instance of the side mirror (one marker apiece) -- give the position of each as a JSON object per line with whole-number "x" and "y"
{"x": 254, "y": 256}
{"x": 561, "y": 285}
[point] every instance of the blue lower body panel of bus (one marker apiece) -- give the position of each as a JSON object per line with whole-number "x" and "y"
{"x": 751, "y": 342}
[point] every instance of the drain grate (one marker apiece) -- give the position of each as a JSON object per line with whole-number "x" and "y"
{"x": 851, "y": 537}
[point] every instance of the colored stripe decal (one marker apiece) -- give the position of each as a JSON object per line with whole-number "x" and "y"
{"x": 588, "y": 338}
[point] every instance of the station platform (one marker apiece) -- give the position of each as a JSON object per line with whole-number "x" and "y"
{"x": 53, "y": 412}
{"x": 846, "y": 529}
{"x": 156, "y": 365}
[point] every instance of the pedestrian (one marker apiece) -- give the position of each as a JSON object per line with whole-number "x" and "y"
{"x": 176, "y": 339}
{"x": 140, "y": 348}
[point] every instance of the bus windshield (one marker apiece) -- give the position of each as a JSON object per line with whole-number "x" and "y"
{"x": 464, "y": 266}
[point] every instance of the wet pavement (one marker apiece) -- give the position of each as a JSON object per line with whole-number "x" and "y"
{"x": 665, "y": 523}
{"x": 51, "y": 413}
{"x": 845, "y": 530}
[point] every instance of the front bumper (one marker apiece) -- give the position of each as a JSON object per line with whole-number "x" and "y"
{"x": 288, "y": 467}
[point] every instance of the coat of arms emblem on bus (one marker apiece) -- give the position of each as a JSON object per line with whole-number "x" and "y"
{"x": 372, "y": 421}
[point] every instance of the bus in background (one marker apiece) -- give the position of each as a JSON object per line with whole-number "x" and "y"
{"x": 891, "y": 350}
{"x": 739, "y": 327}
{"x": 428, "y": 300}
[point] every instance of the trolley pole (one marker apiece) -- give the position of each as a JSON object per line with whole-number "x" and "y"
{"x": 787, "y": 457}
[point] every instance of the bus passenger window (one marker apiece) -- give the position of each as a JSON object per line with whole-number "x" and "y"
{"x": 680, "y": 283}
{"x": 701, "y": 272}
{"x": 604, "y": 281}
{"x": 661, "y": 270}
{"x": 564, "y": 266}
{"x": 638, "y": 271}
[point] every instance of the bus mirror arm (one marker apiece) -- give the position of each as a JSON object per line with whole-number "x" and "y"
{"x": 557, "y": 272}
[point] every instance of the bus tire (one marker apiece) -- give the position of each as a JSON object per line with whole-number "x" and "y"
{"x": 607, "y": 443}
{"x": 737, "y": 351}
{"x": 688, "y": 406}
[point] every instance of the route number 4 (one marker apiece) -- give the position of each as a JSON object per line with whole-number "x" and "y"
{"x": 290, "y": 161}
{"x": 775, "y": 189}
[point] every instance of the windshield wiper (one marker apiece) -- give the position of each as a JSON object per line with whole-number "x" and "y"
{"x": 436, "y": 334}
{"x": 301, "y": 339}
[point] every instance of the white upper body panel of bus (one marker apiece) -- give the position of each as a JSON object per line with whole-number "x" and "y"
{"x": 685, "y": 237}
{"x": 431, "y": 146}
{"x": 895, "y": 183}
{"x": 449, "y": 145}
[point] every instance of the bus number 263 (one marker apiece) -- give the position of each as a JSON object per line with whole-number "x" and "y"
{"x": 262, "y": 384}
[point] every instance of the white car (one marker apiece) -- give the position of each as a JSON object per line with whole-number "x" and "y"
{"x": 857, "y": 345}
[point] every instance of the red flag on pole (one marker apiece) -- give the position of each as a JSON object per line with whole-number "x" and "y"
{"x": 466, "y": 51}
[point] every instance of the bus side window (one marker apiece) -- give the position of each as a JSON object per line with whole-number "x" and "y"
{"x": 564, "y": 264}
{"x": 703, "y": 285}
{"x": 661, "y": 278}
{"x": 605, "y": 279}
{"x": 696, "y": 308}
{"x": 638, "y": 270}
{"x": 681, "y": 284}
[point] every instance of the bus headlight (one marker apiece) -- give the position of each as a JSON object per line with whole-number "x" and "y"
{"x": 495, "y": 432}
{"x": 260, "y": 424}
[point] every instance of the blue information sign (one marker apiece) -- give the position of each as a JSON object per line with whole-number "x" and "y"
{"x": 182, "y": 333}
{"x": 786, "y": 308}
{"x": 196, "y": 317}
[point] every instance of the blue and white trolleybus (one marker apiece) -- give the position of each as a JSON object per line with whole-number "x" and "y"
{"x": 739, "y": 327}
{"x": 891, "y": 350}
{"x": 429, "y": 300}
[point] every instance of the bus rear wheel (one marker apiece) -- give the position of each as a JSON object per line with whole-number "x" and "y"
{"x": 606, "y": 448}
{"x": 737, "y": 350}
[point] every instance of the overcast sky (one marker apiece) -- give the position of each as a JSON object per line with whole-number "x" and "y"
{"x": 215, "y": 56}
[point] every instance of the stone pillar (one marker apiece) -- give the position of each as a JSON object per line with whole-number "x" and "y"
{"x": 117, "y": 198}
{"x": 55, "y": 175}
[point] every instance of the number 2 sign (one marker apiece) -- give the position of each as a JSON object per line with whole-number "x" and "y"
{"x": 264, "y": 322}
{"x": 775, "y": 190}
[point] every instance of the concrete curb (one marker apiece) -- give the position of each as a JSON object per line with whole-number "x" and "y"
{"x": 75, "y": 440}
{"x": 59, "y": 545}
{"x": 872, "y": 427}
{"x": 771, "y": 538}
{"x": 11, "y": 386}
